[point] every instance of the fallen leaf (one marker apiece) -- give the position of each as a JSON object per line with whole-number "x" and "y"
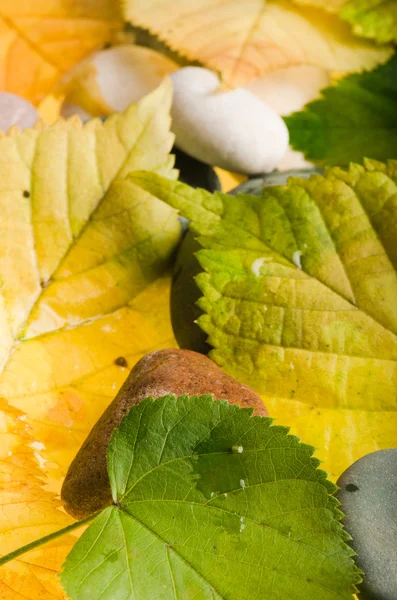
{"x": 300, "y": 300}
{"x": 42, "y": 40}
{"x": 27, "y": 512}
{"x": 82, "y": 247}
{"x": 374, "y": 19}
{"x": 355, "y": 118}
{"x": 245, "y": 42}
{"x": 212, "y": 502}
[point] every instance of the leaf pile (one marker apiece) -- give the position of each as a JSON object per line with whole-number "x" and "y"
{"x": 212, "y": 503}
{"x": 300, "y": 300}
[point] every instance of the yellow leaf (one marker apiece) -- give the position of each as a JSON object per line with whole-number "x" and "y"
{"x": 83, "y": 254}
{"x": 332, "y": 6}
{"x": 244, "y": 40}
{"x": 41, "y": 40}
{"x": 27, "y": 512}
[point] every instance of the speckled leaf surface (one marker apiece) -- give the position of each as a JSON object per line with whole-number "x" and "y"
{"x": 300, "y": 299}
{"x": 212, "y": 503}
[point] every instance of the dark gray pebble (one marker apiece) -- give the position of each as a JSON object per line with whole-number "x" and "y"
{"x": 255, "y": 184}
{"x": 368, "y": 496}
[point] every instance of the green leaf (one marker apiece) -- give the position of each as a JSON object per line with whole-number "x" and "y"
{"x": 211, "y": 503}
{"x": 355, "y": 118}
{"x": 318, "y": 342}
{"x": 375, "y": 19}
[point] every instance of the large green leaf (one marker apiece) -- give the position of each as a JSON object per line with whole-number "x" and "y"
{"x": 300, "y": 300}
{"x": 355, "y": 118}
{"x": 375, "y": 19}
{"x": 211, "y": 503}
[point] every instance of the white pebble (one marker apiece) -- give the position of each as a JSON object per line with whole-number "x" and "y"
{"x": 114, "y": 78}
{"x": 234, "y": 130}
{"x": 15, "y": 110}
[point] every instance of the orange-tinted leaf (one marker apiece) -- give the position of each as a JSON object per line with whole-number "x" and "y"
{"x": 41, "y": 39}
{"x": 27, "y": 512}
{"x": 244, "y": 40}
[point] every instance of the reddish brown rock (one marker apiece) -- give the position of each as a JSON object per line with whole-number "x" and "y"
{"x": 86, "y": 488}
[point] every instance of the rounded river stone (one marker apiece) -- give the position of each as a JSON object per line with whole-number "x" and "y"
{"x": 368, "y": 496}
{"x": 86, "y": 488}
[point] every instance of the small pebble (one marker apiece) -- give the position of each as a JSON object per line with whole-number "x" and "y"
{"x": 15, "y": 110}
{"x": 234, "y": 130}
{"x": 86, "y": 488}
{"x": 368, "y": 496}
{"x": 255, "y": 185}
{"x": 115, "y": 78}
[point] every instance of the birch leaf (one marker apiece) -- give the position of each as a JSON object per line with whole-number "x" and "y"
{"x": 244, "y": 42}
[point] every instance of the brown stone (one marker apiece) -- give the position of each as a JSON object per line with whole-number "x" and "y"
{"x": 86, "y": 488}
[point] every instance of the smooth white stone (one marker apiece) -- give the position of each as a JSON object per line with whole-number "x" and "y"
{"x": 234, "y": 130}
{"x": 125, "y": 74}
{"x": 15, "y": 110}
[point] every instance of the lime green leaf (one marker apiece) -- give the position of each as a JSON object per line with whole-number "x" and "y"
{"x": 211, "y": 503}
{"x": 375, "y": 19}
{"x": 300, "y": 300}
{"x": 356, "y": 118}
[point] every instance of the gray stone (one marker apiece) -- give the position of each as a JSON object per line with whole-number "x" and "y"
{"x": 254, "y": 185}
{"x": 368, "y": 496}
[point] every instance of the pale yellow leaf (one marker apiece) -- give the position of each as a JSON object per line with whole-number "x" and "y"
{"x": 244, "y": 40}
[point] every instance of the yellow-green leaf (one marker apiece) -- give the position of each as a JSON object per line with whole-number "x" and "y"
{"x": 245, "y": 41}
{"x": 300, "y": 300}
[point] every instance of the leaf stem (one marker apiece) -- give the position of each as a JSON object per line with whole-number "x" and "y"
{"x": 47, "y": 538}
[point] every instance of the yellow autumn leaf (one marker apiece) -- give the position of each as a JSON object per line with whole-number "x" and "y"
{"x": 83, "y": 255}
{"x": 27, "y": 512}
{"x": 333, "y": 6}
{"x": 79, "y": 246}
{"x": 41, "y": 40}
{"x": 244, "y": 40}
